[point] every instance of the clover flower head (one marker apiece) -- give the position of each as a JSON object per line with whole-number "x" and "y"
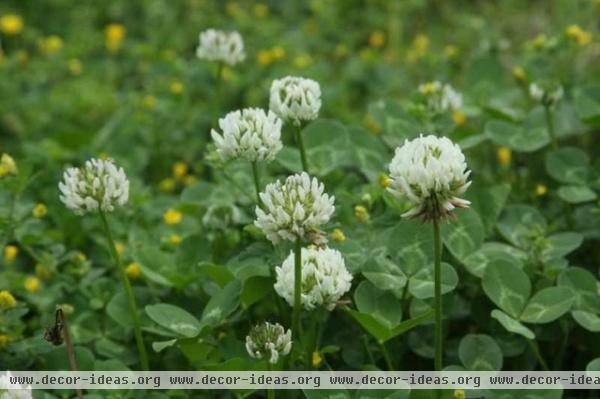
{"x": 18, "y": 392}
{"x": 294, "y": 209}
{"x": 251, "y": 134}
{"x": 98, "y": 185}
{"x": 324, "y": 278}
{"x": 268, "y": 340}
{"x": 295, "y": 99}
{"x": 220, "y": 46}
{"x": 431, "y": 173}
{"x": 221, "y": 217}
{"x": 441, "y": 97}
{"x": 546, "y": 93}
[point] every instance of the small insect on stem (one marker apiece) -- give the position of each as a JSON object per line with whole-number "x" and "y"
{"x": 54, "y": 334}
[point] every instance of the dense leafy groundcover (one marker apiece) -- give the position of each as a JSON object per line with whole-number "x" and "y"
{"x": 121, "y": 80}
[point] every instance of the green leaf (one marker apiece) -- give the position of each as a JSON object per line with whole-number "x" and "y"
{"x": 589, "y": 321}
{"x": 548, "y": 305}
{"x": 489, "y": 202}
{"x": 222, "y": 304}
{"x": 410, "y": 243}
{"x": 511, "y": 324}
{"x": 255, "y": 289}
{"x": 519, "y": 224}
{"x": 421, "y": 285}
{"x": 477, "y": 262}
{"x": 516, "y": 137}
{"x": 584, "y": 287}
{"x": 594, "y": 365}
{"x": 385, "y": 275}
{"x": 174, "y": 318}
{"x": 382, "y": 332}
{"x": 587, "y": 104}
{"x": 381, "y": 305}
{"x": 576, "y": 194}
{"x": 560, "y": 244}
{"x": 568, "y": 165}
{"x": 464, "y": 235}
{"x": 507, "y": 286}
{"x": 480, "y": 352}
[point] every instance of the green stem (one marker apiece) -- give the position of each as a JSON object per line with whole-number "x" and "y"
{"x": 438, "y": 294}
{"x": 256, "y": 182}
{"x": 386, "y": 356}
{"x": 270, "y": 391}
{"x": 296, "y": 327}
{"x": 536, "y": 351}
{"x": 129, "y": 293}
{"x": 550, "y": 124}
{"x": 217, "y": 100}
{"x": 300, "y": 142}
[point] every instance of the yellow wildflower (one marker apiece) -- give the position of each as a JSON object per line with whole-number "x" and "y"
{"x": 421, "y": 43}
{"x": 43, "y": 271}
{"x": 377, "y": 39}
{"x": 167, "y": 185}
{"x": 120, "y": 247}
{"x": 51, "y": 44}
{"x": 67, "y": 308}
{"x": 233, "y": 9}
{"x": 264, "y": 57}
{"x": 32, "y": 284}
{"x": 278, "y": 53}
{"x": 429, "y": 88}
{"x": 172, "y": 216}
{"x": 113, "y": 36}
{"x": 133, "y": 270}
{"x": 3, "y": 341}
{"x": 80, "y": 257}
{"x": 504, "y": 155}
{"x": 189, "y": 180}
{"x": 260, "y": 10}
{"x": 175, "y": 239}
{"x": 75, "y": 67}
{"x": 7, "y": 165}
{"x": 176, "y": 87}
{"x": 540, "y": 190}
{"x": 103, "y": 155}
{"x": 7, "y": 300}
{"x": 459, "y": 394}
{"x": 459, "y": 118}
{"x": 302, "y": 60}
{"x": 180, "y": 169}
{"x": 11, "y": 24}
{"x": 450, "y": 51}
{"x": 338, "y": 235}
{"x": 39, "y": 210}
{"x": 10, "y": 253}
{"x": 362, "y": 213}
{"x": 539, "y": 42}
{"x": 575, "y": 33}
{"x": 149, "y": 101}
{"x": 518, "y": 73}
{"x": 384, "y": 180}
{"x": 316, "y": 359}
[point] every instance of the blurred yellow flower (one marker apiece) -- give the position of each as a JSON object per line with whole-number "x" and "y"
{"x": 75, "y": 67}
{"x": 578, "y": 35}
{"x": 80, "y": 257}
{"x": 539, "y": 42}
{"x": 459, "y": 118}
{"x": 7, "y": 165}
{"x": 260, "y": 10}
{"x": 51, "y": 44}
{"x": 32, "y": 284}
{"x": 113, "y": 36}
{"x": 43, "y": 271}
{"x": 172, "y": 216}
{"x": 3, "y": 341}
{"x": 362, "y": 213}
{"x": 338, "y": 235}
{"x": 11, "y": 24}
{"x": 67, "y": 308}
{"x": 233, "y": 9}
{"x": 104, "y": 155}
{"x": 429, "y": 88}
{"x": 302, "y": 60}
{"x": 278, "y": 53}
{"x": 377, "y": 39}
{"x": 167, "y": 185}
{"x": 10, "y": 253}
{"x": 176, "y": 87}
{"x": 540, "y": 190}
{"x": 149, "y": 101}
{"x": 189, "y": 180}
{"x": 504, "y": 155}
{"x": 459, "y": 394}
{"x": 175, "y": 239}
{"x": 120, "y": 247}
{"x": 316, "y": 359}
{"x": 7, "y": 301}
{"x": 518, "y": 73}
{"x": 451, "y": 51}
{"x": 384, "y": 180}
{"x": 264, "y": 57}
{"x": 180, "y": 169}
{"x": 133, "y": 270}
{"x": 39, "y": 210}
{"x": 421, "y": 43}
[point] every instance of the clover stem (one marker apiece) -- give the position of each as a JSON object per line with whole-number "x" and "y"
{"x": 69, "y": 344}
{"x": 300, "y": 141}
{"x": 270, "y": 391}
{"x": 256, "y": 182}
{"x": 437, "y": 242}
{"x": 536, "y": 351}
{"x": 296, "y": 328}
{"x": 550, "y": 125}
{"x": 386, "y": 356}
{"x": 217, "y": 102}
{"x": 128, "y": 292}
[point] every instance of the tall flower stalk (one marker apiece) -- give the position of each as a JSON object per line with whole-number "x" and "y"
{"x": 100, "y": 186}
{"x": 547, "y": 94}
{"x": 430, "y": 172}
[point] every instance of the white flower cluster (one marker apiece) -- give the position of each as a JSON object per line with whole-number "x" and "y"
{"x": 324, "y": 278}
{"x": 430, "y": 172}
{"x": 294, "y": 209}
{"x": 441, "y": 97}
{"x": 295, "y": 99}
{"x": 545, "y": 95}
{"x": 19, "y": 393}
{"x": 268, "y": 340}
{"x": 99, "y": 185}
{"x": 250, "y": 134}
{"x": 220, "y": 46}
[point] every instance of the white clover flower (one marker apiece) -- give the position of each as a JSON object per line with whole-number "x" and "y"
{"x": 547, "y": 94}
{"x": 294, "y": 209}
{"x": 295, "y": 99}
{"x": 441, "y": 97}
{"x": 221, "y": 217}
{"x": 324, "y": 278}
{"x": 98, "y": 185}
{"x": 18, "y": 393}
{"x": 430, "y": 172}
{"x": 220, "y": 46}
{"x": 268, "y": 340}
{"x": 251, "y": 134}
